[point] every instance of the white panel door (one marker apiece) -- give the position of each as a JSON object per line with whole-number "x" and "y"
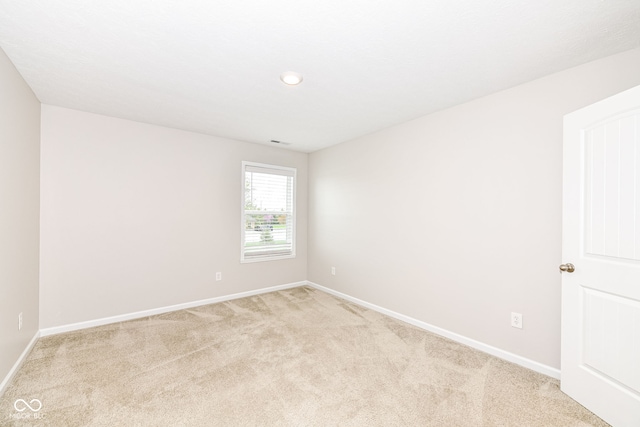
{"x": 601, "y": 238}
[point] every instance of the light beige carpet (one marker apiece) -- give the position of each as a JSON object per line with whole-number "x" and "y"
{"x": 298, "y": 357}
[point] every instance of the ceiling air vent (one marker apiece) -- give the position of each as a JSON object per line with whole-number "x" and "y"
{"x": 275, "y": 141}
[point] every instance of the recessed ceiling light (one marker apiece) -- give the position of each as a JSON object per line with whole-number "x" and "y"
{"x": 291, "y": 78}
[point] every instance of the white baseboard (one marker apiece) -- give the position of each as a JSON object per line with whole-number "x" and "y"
{"x": 494, "y": 351}
{"x": 16, "y": 366}
{"x": 129, "y": 316}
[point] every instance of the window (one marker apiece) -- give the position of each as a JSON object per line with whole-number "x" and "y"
{"x": 268, "y": 212}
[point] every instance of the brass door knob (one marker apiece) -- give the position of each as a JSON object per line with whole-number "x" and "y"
{"x": 568, "y": 267}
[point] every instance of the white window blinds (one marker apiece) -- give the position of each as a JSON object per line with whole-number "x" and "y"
{"x": 268, "y": 212}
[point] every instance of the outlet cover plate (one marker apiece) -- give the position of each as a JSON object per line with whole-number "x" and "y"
{"x": 516, "y": 320}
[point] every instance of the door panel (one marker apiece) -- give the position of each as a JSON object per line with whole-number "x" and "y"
{"x": 611, "y": 182}
{"x": 601, "y": 237}
{"x": 611, "y": 349}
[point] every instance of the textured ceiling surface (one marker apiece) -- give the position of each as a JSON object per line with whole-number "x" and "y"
{"x": 213, "y": 66}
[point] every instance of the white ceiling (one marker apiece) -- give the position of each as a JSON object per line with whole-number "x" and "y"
{"x": 213, "y": 66}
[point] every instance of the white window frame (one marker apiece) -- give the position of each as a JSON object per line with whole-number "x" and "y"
{"x": 276, "y": 170}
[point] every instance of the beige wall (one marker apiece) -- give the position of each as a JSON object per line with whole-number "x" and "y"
{"x": 454, "y": 218}
{"x": 19, "y": 211}
{"x": 137, "y": 217}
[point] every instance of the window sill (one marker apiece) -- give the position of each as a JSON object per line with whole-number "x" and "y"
{"x": 263, "y": 258}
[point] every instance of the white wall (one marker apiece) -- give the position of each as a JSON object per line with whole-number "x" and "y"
{"x": 19, "y": 213}
{"x": 136, "y": 217}
{"x": 454, "y": 218}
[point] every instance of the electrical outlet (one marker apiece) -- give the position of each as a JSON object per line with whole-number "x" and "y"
{"x": 20, "y": 321}
{"x": 333, "y": 271}
{"x": 516, "y": 320}
{"x": 218, "y": 276}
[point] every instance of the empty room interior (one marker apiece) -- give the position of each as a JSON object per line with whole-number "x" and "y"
{"x": 189, "y": 238}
